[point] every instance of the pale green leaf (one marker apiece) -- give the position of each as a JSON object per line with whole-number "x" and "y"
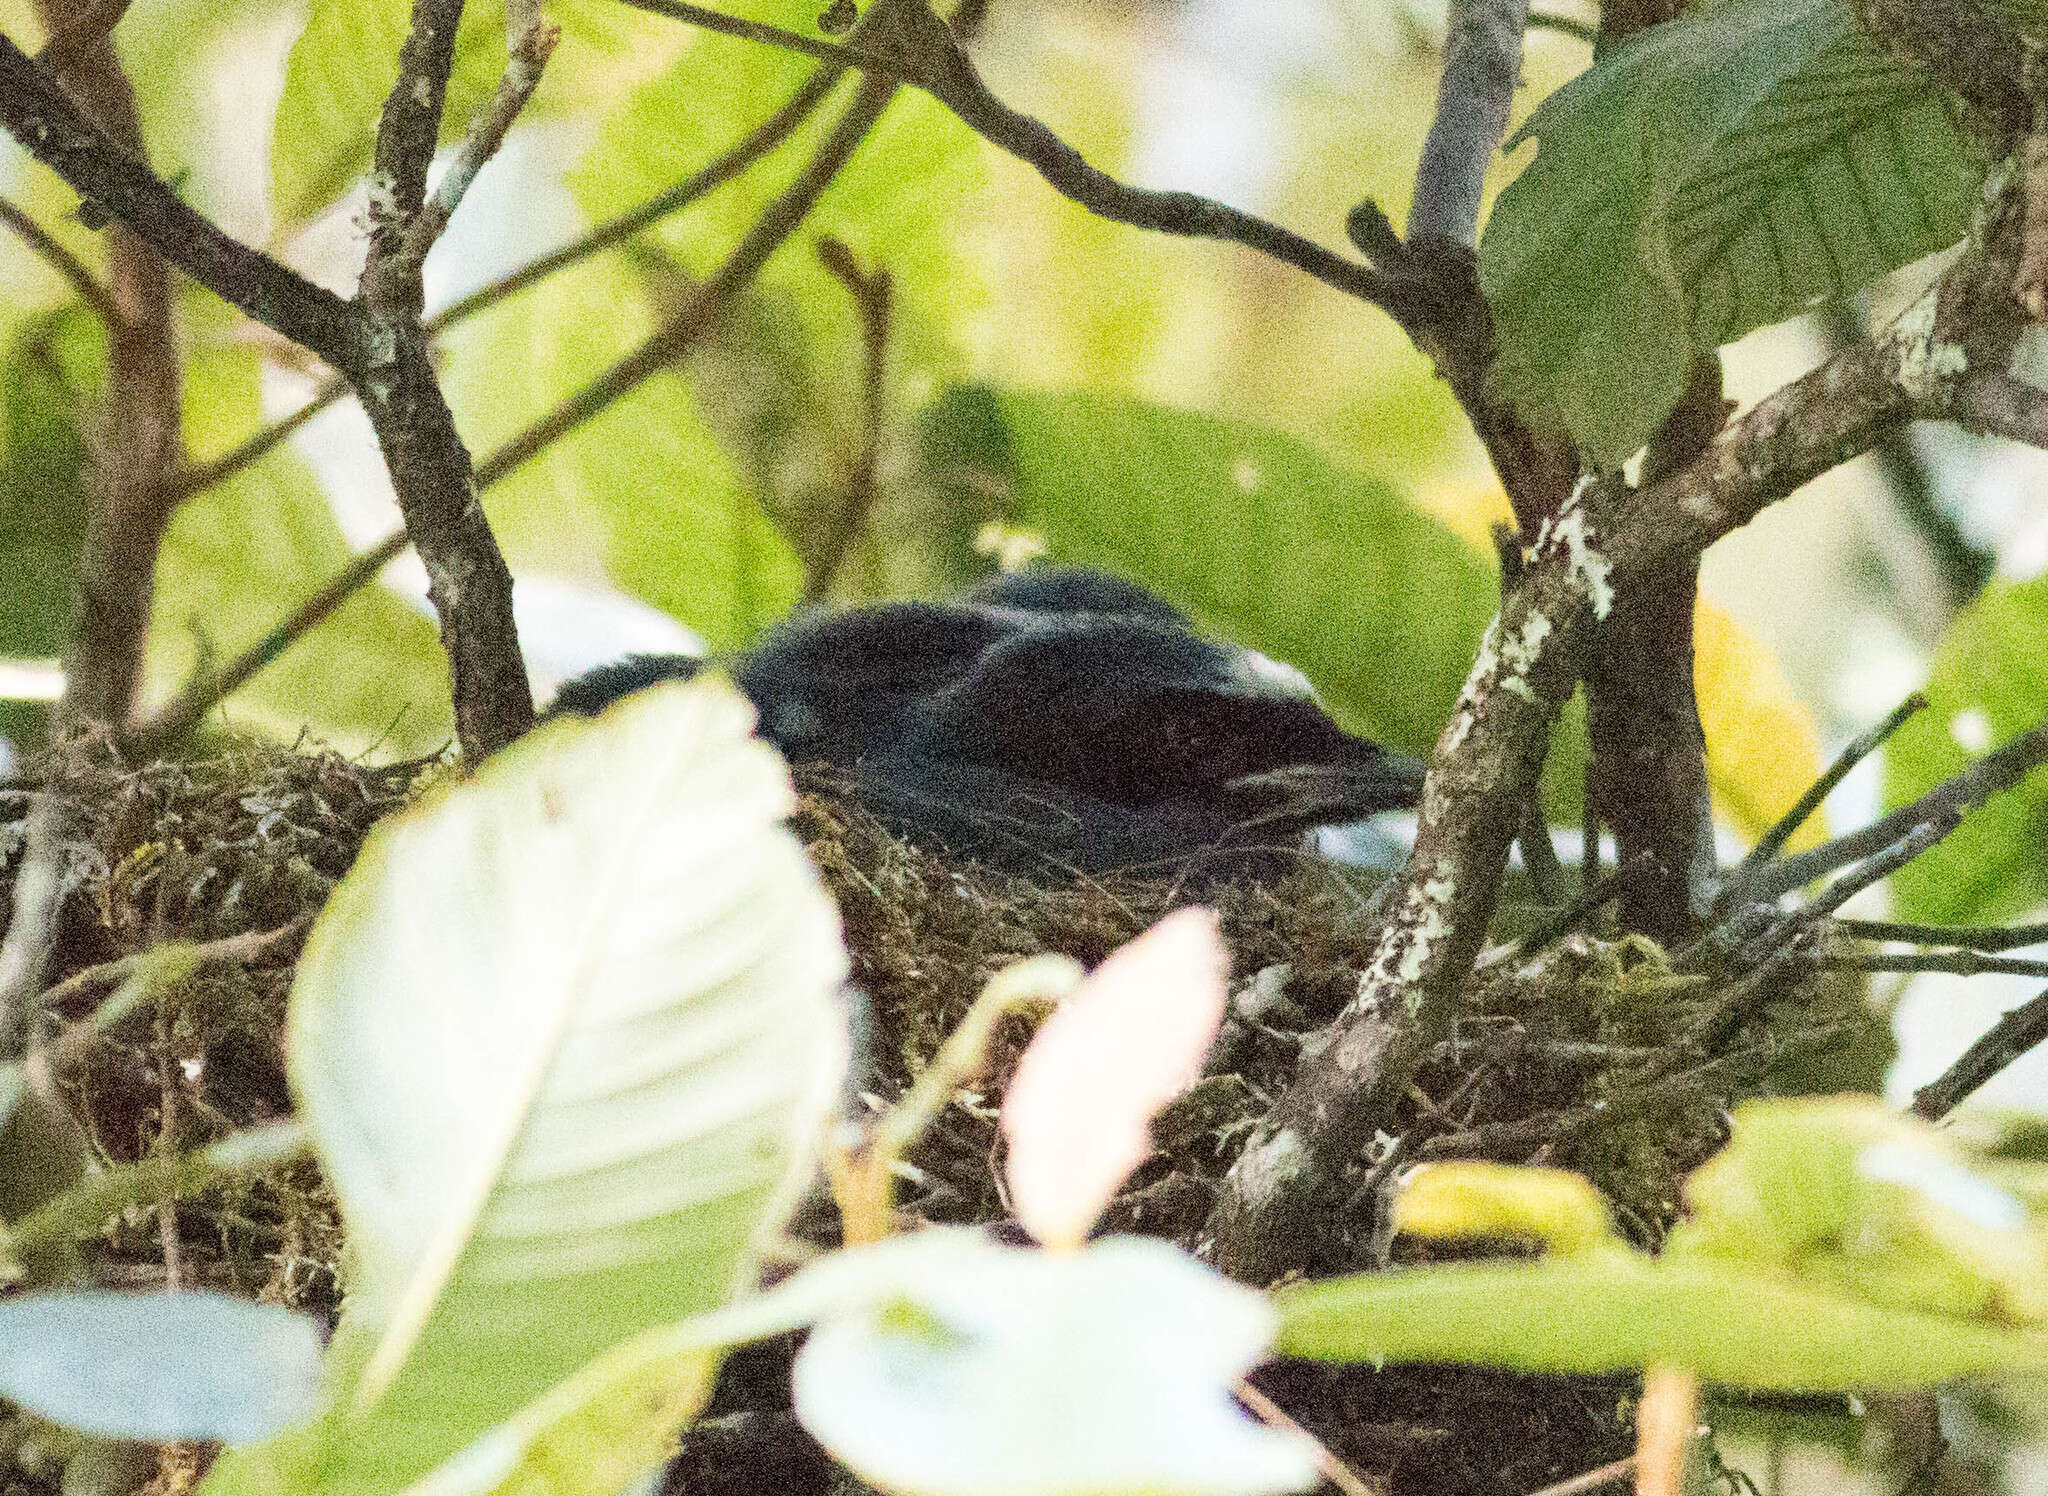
{"x": 1749, "y": 1325}
{"x": 346, "y": 59}
{"x": 159, "y": 1366}
{"x": 1256, "y": 535}
{"x": 973, "y": 1369}
{"x": 240, "y": 556}
{"x": 641, "y": 496}
{"x": 565, "y": 1039}
{"x": 1986, "y": 687}
{"x": 1716, "y": 174}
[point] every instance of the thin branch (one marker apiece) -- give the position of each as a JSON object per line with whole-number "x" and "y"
{"x": 1990, "y": 775}
{"x": 1860, "y": 747}
{"x": 37, "y": 907}
{"x": 919, "y": 48}
{"x": 1592, "y": 1480}
{"x": 661, "y": 349}
{"x": 64, "y": 262}
{"x": 756, "y": 31}
{"x": 1954, "y": 963}
{"x": 1347, "y": 1481}
{"x": 251, "y": 948}
{"x": 1482, "y": 68}
{"x": 758, "y": 142}
{"x": 528, "y": 57}
{"x": 873, "y": 298}
{"x": 1969, "y": 937}
{"x": 2012, "y": 1036}
{"x": 1577, "y": 30}
{"x": 431, "y": 473}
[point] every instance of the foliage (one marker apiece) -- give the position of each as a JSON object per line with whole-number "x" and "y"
{"x": 1713, "y": 175}
{"x": 1886, "y": 1250}
{"x": 1986, "y": 687}
{"x": 563, "y": 1041}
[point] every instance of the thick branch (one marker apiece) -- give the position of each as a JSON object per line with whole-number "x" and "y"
{"x": 2012, "y": 1036}
{"x": 1609, "y": 537}
{"x": 141, "y": 446}
{"x": 467, "y": 579}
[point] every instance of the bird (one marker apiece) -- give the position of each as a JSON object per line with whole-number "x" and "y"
{"x": 1051, "y": 720}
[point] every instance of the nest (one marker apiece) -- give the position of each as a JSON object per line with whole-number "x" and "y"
{"x": 1574, "y": 1053}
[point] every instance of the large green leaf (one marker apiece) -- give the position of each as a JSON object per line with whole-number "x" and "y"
{"x": 565, "y": 1039}
{"x": 1254, "y": 534}
{"x": 1833, "y": 1245}
{"x": 1714, "y": 175}
{"x": 241, "y": 555}
{"x": 1987, "y": 686}
{"x": 641, "y": 496}
{"x": 159, "y": 1366}
{"x": 346, "y": 58}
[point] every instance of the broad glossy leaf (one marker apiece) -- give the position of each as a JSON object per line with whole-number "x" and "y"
{"x": 1986, "y": 687}
{"x": 565, "y": 1039}
{"x": 1716, "y": 174}
{"x": 159, "y": 1366}
{"x": 972, "y": 1369}
{"x": 1256, "y": 535}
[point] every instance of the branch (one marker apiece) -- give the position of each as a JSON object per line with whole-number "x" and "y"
{"x": 529, "y": 53}
{"x": 1954, "y": 963}
{"x": 37, "y": 113}
{"x": 757, "y": 143}
{"x": 1968, "y": 937}
{"x": 1859, "y": 748}
{"x": 1990, "y": 775}
{"x": 467, "y": 579}
{"x": 64, "y": 262}
{"x": 1482, "y": 68}
{"x": 910, "y": 43}
{"x": 873, "y": 296}
{"x": 1607, "y": 538}
{"x": 2012, "y": 1036}
{"x": 663, "y": 347}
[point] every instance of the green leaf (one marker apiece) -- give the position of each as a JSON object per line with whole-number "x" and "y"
{"x": 1754, "y": 1326}
{"x": 565, "y": 1039}
{"x": 974, "y": 1369}
{"x": 1257, "y": 536}
{"x": 52, "y": 375}
{"x": 159, "y": 1366}
{"x": 641, "y": 496}
{"x": 346, "y": 60}
{"x": 1832, "y": 1245}
{"x": 241, "y": 555}
{"x": 1986, "y": 687}
{"x": 1716, "y": 174}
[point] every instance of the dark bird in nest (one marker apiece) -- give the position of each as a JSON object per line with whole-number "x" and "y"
{"x": 1051, "y": 719}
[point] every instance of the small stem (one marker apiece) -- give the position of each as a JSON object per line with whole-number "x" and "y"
{"x": 1970, "y": 937}
{"x": 65, "y": 263}
{"x": 1772, "y": 842}
{"x": 873, "y": 298}
{"x": 1954, "y": 963}
{"x": 2012, "y": 1036}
